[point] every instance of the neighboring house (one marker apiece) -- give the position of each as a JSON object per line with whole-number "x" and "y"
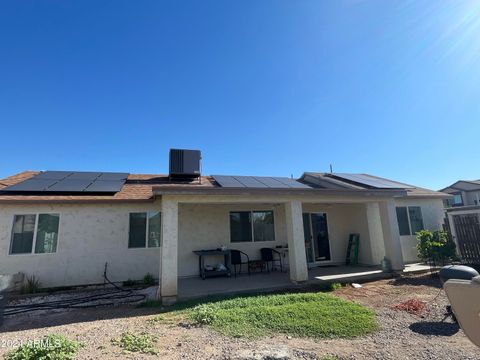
{"x": 463, "y": 212}
{"x": 464, "y": 193}
{"x": 64, "y": 226}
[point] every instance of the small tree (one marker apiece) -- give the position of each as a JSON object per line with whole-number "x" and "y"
{"x": 435, "y": 246}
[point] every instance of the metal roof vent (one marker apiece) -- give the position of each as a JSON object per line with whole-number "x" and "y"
{"x": 184, "y": 163}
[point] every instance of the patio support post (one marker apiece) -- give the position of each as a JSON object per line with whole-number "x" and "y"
{"x": 169, "y": 249}
{"x": 375, "y": 232}
{"x": 391, "y": 235}
{"x": 296, "y": 242}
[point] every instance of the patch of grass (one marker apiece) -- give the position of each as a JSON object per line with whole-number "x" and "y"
{"x": 317, "y": 315}
{"x": 166, "y": 318}
{"x": 143, "y": 343}
{"x": 51, "y": 347}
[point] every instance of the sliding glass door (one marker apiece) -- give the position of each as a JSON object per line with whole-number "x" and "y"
{"x": 317, "y": 244}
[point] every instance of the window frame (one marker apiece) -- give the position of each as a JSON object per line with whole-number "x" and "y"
{"x": 252, "y": 226}
{"x": 407, "y": 207}
{"x": 147, "y": 223}
{"x": 35, "y": 231}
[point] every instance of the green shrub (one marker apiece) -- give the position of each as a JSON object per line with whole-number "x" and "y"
{"x": 435, "y": 245}
{"x": 51, "y": 347}
{"x": 31, "y": 285}
{"x": 143, "y": 343}
{"x": 204, "y": 314}
{"x": 129, "y": 282}
{"x": 148, "y": 279}
{"x": 335, "y": 286}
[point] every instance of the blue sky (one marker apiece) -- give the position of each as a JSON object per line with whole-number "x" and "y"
{"x": 261, "y": 87}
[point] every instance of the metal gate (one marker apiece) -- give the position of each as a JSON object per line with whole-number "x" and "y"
{"x": 467, "y": 230}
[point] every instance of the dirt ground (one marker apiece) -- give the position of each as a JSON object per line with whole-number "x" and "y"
{"x": 402, "y": 335}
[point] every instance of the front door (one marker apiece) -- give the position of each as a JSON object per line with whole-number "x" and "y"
{"x": 317, "y": 244}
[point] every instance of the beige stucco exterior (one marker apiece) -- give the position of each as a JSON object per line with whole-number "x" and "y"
{"x": 91, "y": 235}
{"x": 433, "y": 218}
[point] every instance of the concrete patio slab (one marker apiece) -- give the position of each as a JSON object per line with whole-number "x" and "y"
{"x": 189, "y": 288}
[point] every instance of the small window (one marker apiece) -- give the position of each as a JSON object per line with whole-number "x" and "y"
{"x": 457, "y": 200}
{"x": 34, "y": 232}
{"x": 248, "y": 226}
{"x": 145, "y": 229}
{"x": 240, "y": 226}
{"x": 402, "y": 218}
{"x": 410, "y": 220}
{"x": 416, "y": 219}
{"x": 263, "y": 227}
{"x": 47, "y": 233}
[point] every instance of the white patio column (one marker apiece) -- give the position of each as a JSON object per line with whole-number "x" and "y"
{"x": 169, "y": 250}
{"x": 296, "y": 241}
{"x": 375, "y": 232}
{"x": 391, "y": 234}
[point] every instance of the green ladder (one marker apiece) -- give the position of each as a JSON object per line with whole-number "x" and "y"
{"x": 353, "y": 242}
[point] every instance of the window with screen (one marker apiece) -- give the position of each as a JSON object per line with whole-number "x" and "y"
{"x": 145, "y": 229}
{"x": 416, "y": 219}
{"x": 34, "y": 233}
{"x": 248, "y": 226}
{"x": 410, "y": 220}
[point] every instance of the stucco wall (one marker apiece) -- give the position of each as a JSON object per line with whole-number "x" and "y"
{"x": 208, "y": 227}
{"x": 433, "y": 215}
{"x": 344, "y": 219}
{"x": 89, "y": 236}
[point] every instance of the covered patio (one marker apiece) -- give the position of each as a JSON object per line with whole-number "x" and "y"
{"x": 191, "y": 223}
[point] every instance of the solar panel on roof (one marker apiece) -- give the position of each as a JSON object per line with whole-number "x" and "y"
{"x": 70, "y": 182}
{"x": 228, "y": 181}
{"x": 31, "y": 185}
{"x": 291, "y": 183}
{"x": 52, "y": 175}
{"x": 84, "y": 175}
{"x": 105, "y": 186}
{"x": 250, "y": 182}
{"x": 113, "y": 176}
{"x": 270, "y": 182}
{"x": 258, "y": 182}
{"x": 70, "y": 185}
{"x": 372, "y": 181}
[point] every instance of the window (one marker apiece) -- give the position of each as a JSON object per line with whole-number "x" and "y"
{"x": 410, "y": 220}
{"x": 247, "y": 226}
{"x": 31, "y": 232}
{"x": 145, "y": 229}
{"x": 402, "y": 218}
{"x": 457, "y": 200}
{"x": 416, "y": 219}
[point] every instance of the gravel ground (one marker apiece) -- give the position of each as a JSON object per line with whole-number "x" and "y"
{"x": 402, "y": 335}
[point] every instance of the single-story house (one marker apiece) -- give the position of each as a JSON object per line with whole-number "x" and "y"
{"x": 63, "y": 227}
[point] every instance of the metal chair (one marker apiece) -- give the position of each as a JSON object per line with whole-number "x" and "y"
{"x": 269, "y": 258}
{"x": 236, "y": 259}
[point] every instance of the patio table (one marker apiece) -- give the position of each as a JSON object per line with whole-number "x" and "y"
{"x": 213, "y": 273}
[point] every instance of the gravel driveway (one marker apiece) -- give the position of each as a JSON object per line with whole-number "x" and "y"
{"x": 402, "y": 335}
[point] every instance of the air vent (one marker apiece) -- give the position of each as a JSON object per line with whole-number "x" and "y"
{"x": 185, "y": 163}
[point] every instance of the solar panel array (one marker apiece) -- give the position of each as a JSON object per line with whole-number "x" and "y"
{"x": 258, "y": 182}
{"x": 371, "y": 181}
{"x": 71, "y": 182}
